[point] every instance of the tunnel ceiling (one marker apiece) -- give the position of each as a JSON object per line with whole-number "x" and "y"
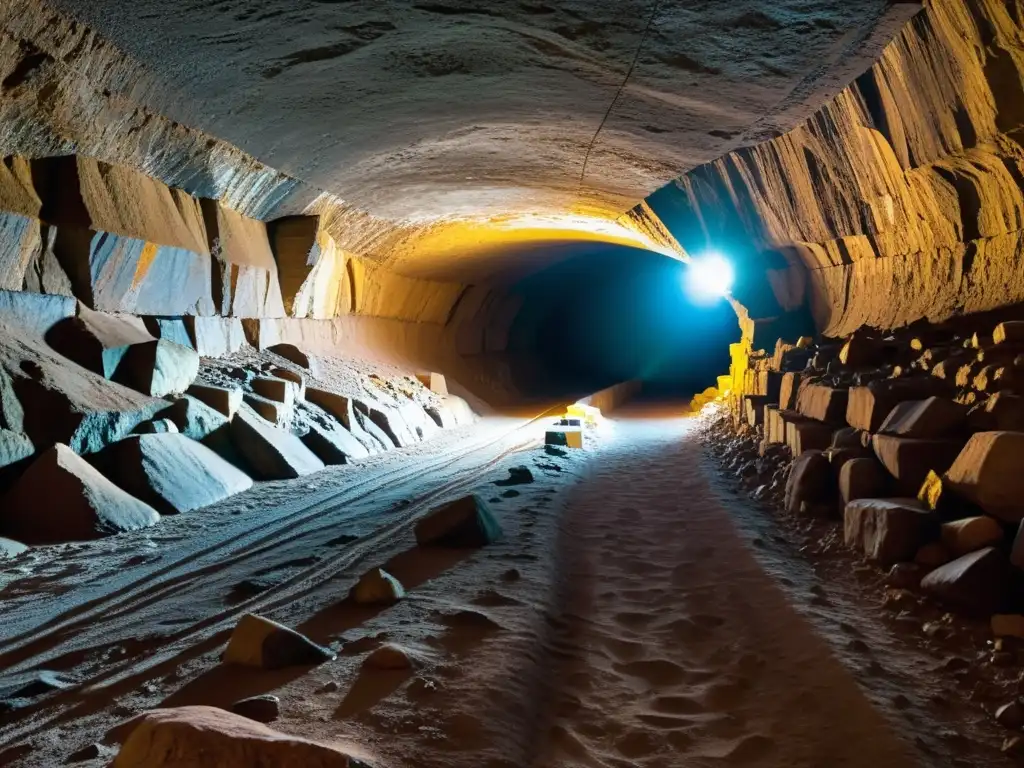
{"x": 418, "y": 110}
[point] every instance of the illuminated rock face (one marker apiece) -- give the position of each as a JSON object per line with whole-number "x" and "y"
{"x": 900, "y": 199}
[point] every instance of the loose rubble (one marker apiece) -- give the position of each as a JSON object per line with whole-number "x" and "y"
{"x": 913, "y": 448}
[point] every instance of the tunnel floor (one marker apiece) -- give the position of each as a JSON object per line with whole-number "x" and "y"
{"x": 632, "y": 615}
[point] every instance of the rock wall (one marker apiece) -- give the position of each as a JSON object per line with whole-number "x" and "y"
{"x": 900, "y": 199}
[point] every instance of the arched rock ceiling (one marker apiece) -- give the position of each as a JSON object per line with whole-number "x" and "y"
{"x": 415, "y": 111}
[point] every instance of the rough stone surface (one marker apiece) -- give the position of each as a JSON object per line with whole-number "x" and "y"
{"x": 962, "y": 537}
{"x": 821, "y": 402}
{"x": 974, "y": 584}
{"x": 909, "y": 460}
{"x": 466, "y": 522}
{"x": 811, "y": 481}
{"x": 389, "y": 658}
{"x": 862, "y": 478}
{"x": 377, "y": 587}
{"x": 888, "y": 531}
{"x": 935, "y": 417}
{"x": 225, "y": 400}
{"x": 988, "y": 472}
{"x": 170, "y": 472}
{"x": 60, "y": 497}
{"x": 197, "y": 735}
{"x": 273, "y": 453}
{"x": 260, "y": 642}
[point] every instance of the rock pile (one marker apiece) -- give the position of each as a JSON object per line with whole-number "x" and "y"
{"x": 104, "y": 426}
{"x": 908, "y": 437}
{"x": 912, "y": 442}
{"x": 906, "y": 446}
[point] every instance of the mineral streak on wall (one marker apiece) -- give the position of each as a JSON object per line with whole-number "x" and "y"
{"x": 901, "y": 199}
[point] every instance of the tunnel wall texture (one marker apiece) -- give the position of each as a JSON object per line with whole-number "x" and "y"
{"x": 900, "y": 199}
{"x": 104, "y": 201}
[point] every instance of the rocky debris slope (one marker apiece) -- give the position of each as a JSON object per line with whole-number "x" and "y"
{"x": 907, "y": 446}
{"x": 104, "y": 427}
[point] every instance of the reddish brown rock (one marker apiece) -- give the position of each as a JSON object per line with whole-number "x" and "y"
{"x": 197, "y": 735}
{"x": 887, "y": 530}
{"x": 862, "y": 478}
{"x": 1003, "y": 411}
{"x": 974, "y": 584}
{"x": 60, "y": 497}
{"x": 822, "y": 402}
{"x": 868, "y": 406}
{"x": 909, "y": 460}
{"x": 788, "y": 388}
{"x": 804, "y": 434}
{"x": 466, "y": 522}
{"x": 988, "y": 472}
{"x": 811, "y": 481}
{"x": 962, "y": 537}
{"x": 935, "y": 417}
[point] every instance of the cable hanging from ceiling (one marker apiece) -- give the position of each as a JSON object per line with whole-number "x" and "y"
{"x": 618, "y": 94}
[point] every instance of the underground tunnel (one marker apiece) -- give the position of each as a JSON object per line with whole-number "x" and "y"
{"x": 511, "y": 383}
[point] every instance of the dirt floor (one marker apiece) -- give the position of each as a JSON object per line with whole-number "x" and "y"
{"x": 635, "y": 614}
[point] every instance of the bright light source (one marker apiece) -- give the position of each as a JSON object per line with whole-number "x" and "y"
{"x": 708, "y": 277}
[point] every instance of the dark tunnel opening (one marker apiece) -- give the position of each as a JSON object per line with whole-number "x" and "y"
{"x": 610, "y": 313}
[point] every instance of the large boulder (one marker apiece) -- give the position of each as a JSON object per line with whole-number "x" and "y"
{"x": 97, "y": 341}
{"x": 804, "y": 434}
{"x": 822, "y": 402}
{"x": 466, "y": 522}
{"x": 51, "y": 400}
{"x": 377, "y": 587}
{"x": 225, "y": 400}
{"x": 862, "y": 478}
{"x": 61, "y": 497}
{"x": 934, "y": 417}
{"x": 888, "y": 531}
{"x": 210, "y": 736}
{"x": 332, "y": 445}
{"x": 1002, "y": 412}
{"x": 121, "y": 348}
{"x": 353, "y": 418}
{"x": 868, "y": 406}
{"x": 975, "y": 584}
{"x": 989, "y": 471}
{"x": 909, "y": 460}
{"x": 170, "y": 472}
{"x": 260, "y": 642}
{"x": 812, "y": 482}
{"x": 273, "y": 453}
{"x": 961, "y": 537}
{"x": 435, "y": 382}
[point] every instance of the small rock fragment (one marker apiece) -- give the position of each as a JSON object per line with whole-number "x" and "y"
{"x": 377, "y": 587}
{"x": 262, "y": 709}
{"x": 260, "y": 642}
